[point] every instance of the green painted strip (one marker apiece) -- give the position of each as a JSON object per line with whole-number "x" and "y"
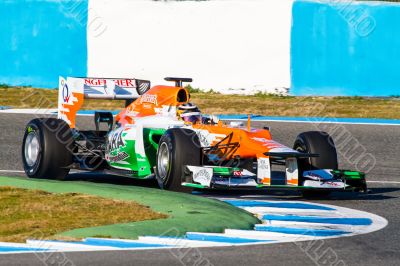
{"x": 193, "y": 185}
{"x": 222, "y": 171}
{"x": 225, "y": 171}
{"x": 186, "y": 212}
{"x": 350, "y": 175}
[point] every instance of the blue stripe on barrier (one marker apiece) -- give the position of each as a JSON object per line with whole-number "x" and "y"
{"x": 295, "y": 205}
{"x": 91, "y": 112}
{"x": 314, "y": 219}
{"x": 300, "y": 231}
{"x": 222, "y": 239}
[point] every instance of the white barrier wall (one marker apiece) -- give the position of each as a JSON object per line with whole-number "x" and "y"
{"x": 221, "y": 44}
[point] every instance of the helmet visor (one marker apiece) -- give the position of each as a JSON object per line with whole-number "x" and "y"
{"x": 191, "y": 117}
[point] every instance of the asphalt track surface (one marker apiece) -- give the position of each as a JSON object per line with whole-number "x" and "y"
{"x": 378, "y": 248}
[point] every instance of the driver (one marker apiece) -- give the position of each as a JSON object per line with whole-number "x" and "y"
{"x": 190, "y": 113}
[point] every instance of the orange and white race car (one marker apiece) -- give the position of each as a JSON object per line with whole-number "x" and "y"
{"x": 162, "y": 135}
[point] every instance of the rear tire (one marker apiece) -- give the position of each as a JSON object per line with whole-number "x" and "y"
{"x": 47, "y": 149}
{"x": 177, "y": 147}
{"x": 322, "y": 144}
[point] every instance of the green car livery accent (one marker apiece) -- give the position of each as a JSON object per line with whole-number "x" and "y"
{"x": 122, "y": 152}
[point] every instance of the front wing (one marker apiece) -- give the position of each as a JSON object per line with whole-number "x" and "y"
{"x": 209, "y": 177}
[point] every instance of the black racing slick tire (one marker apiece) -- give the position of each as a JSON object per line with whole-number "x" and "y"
{"x": 321, "y": 143}
{"x": 47, "y": 149}
{"x": 177, "y": 147}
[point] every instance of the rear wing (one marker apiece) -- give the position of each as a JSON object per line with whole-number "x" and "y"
{"x": 73, "y": 91}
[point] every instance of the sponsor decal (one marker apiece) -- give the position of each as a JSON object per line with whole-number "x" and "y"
{"x": 222, "y": 151}
{"x": 65, "y": 91}
{"x": 321, "y": 184}
{"x": 202, "y": 175}
{"x": 119, "y": 157}
{"x": 271, "y": 144}
{"x": 314, "y": 175}
{"x": 235, "y": 182}
{"x": 29, "y": 129}
{"x": 149, "y": 98}
{"x": 333, "y": 184}
{"x": 237, "y": 173}
{"x": 283, "y": 149}
{"x": 263, "y": 164}
{"x": 203, "y": 140}
{"x": 264, "y": 171}
{"x": 130, "y": 111}
{"x": 124, "y": 83}
{"x": 116, "y": 141}
{"x": 143, "y": 86}
{"x": 147, "y": 106}
{"x": 292, "y": 172}
{"x": 207, "y": 138}
{"x": 96, "y": 82}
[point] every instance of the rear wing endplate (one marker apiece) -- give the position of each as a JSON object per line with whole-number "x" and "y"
{"x": 73, "y": 91}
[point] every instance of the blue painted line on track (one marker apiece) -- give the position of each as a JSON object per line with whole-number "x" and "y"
{"x": 110, "y": 243}
{"x": 300, "y": 231}
{"x": 223, "y": 239}
{"x": 118, "y": 244}
{"x": 241, "y": 203}
{"x": 6, "y": 249}
{"x": 371, "y": 121}
{"x": 4, "y": 108}
{"x": 314, "y": 219}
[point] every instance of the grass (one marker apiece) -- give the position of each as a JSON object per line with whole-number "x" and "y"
{"x": 27, "y": 214}
{"x": 186, "y": 213}
{"x": 214, "y": 103}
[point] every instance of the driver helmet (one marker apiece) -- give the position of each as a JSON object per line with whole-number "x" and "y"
{"x": 189, "y": 112}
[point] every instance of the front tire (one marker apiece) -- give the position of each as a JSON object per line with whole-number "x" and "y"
{"x": 320, "y": 143}
{"x": 47, "y": 149}
{"x": 177, "y": 147}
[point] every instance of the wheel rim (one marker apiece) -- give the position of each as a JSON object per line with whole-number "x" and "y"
{"x": 31, "y": 149}
{"x": 163, "y": 161}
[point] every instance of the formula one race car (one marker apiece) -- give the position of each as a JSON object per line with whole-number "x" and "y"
{"x": 161, "y": 135}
